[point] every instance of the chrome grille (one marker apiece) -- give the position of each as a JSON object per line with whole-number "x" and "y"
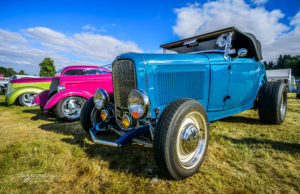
{"x": 124, "y": 80}
{"x": 53, "y": 87}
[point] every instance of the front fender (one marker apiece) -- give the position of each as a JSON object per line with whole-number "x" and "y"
{"x": 41, "y": 98}
{"x": 65, "y": 93}
{"x": 11, "y": 98}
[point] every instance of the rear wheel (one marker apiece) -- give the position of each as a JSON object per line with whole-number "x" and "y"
{"x": 89, "y": 115}
{"x": 69, "y": 108}
{"x": 273, "y": 103}
{"x": 181, "y": 138}
{"x": 26, "y": 99}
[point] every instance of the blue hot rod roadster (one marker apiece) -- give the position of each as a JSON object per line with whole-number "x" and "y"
{"x": 167, "y": 101}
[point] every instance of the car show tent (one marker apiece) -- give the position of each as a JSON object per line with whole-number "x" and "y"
{"x": 284, "y": 75}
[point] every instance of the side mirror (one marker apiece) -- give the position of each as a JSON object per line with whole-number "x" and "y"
{"x": 242, "y": 52}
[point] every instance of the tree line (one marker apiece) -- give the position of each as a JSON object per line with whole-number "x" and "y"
{"x": 47, "y": 69}
{"x": 284, "y": 62}
{"x": 7, "y": 72}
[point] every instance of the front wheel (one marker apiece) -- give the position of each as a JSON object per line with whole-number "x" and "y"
{"x": 69, "y": 108}
{"x": 181, "y": 138}
{"x": 26, "y": 99}
{"x": 89, "y": 115}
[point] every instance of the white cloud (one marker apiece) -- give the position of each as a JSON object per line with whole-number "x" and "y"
{"x": 11, "y": 37}
{"x": 92, "y": 28}
{"x": 84, "y": 45}
{"x": 259, "y": 2}
{"x": 20, "y": 51}
{"x": 275, "y": 36}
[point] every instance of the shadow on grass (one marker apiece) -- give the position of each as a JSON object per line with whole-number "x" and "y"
{"x": 241, "y": 119}
{"x": 132, "y": 158}
{"x": 39, "y": 115}
{"x": 276, "y": 145}
{"x": 3, "y": 104}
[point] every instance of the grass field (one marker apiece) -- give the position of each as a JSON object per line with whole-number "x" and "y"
{"x": 41, "y": 154}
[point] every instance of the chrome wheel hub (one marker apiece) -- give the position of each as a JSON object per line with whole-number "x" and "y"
{"x": 191, "y": 140}
{"x": 71, "y": 107}
{"x": 27, "y": 99}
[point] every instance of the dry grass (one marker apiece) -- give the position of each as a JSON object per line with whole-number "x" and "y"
{"x": 40, "y": 154}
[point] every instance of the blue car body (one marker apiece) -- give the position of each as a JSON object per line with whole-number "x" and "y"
{"x": 166, "y": 101}
{"x": 204, "y": 77}
{"x": 206, "y": 68}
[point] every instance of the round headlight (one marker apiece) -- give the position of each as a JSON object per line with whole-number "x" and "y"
{"x": 138, "y": 103}
{"x": 100, "y": 98}
{"x": 60, "y": 88}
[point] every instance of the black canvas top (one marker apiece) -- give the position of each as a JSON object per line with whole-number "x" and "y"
{"x": 238, "y": 38}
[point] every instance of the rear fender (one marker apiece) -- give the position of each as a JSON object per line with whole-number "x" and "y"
{"x": 66, "y": 93}
{"x": 11, "y": 98}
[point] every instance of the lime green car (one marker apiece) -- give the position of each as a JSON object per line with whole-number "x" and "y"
{"x": 24, "y": 90}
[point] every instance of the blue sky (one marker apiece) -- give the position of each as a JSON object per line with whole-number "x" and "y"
{"x": 94, "y": 32}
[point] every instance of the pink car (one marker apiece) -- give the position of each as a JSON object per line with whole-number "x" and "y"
{"x": 71, "y": 87}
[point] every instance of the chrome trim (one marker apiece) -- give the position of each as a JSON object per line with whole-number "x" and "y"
{"x": 138, "y": 141}
{"x": 145, "y": 99}
{"x": 60, "y": 88}
{"x": 103, "y": 142}
{"x": 228, "y": 45}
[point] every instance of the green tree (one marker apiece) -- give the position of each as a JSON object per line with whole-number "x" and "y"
{"x": 22, "y": 72}
{"x": 7, "y": 72}
{"x": 47, "y": 68}
{"x": 285, "y": 61}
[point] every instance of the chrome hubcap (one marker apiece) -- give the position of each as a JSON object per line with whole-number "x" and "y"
{"x": 71, "y": 107}
{"x": 191, "y": 140}
{"x": 27, "y": 99}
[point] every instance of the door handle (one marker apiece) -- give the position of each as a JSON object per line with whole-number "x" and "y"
{"x": 226, "y": 98}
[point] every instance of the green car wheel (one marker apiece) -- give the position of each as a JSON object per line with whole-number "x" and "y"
{"x": 26, "y": 99}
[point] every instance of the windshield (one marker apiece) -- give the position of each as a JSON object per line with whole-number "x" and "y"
{"x": 211, "y": 44}
{"x": 104, "y": 69}
{"x": 59, "y": 72}
{"x": 12, "y": 77}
